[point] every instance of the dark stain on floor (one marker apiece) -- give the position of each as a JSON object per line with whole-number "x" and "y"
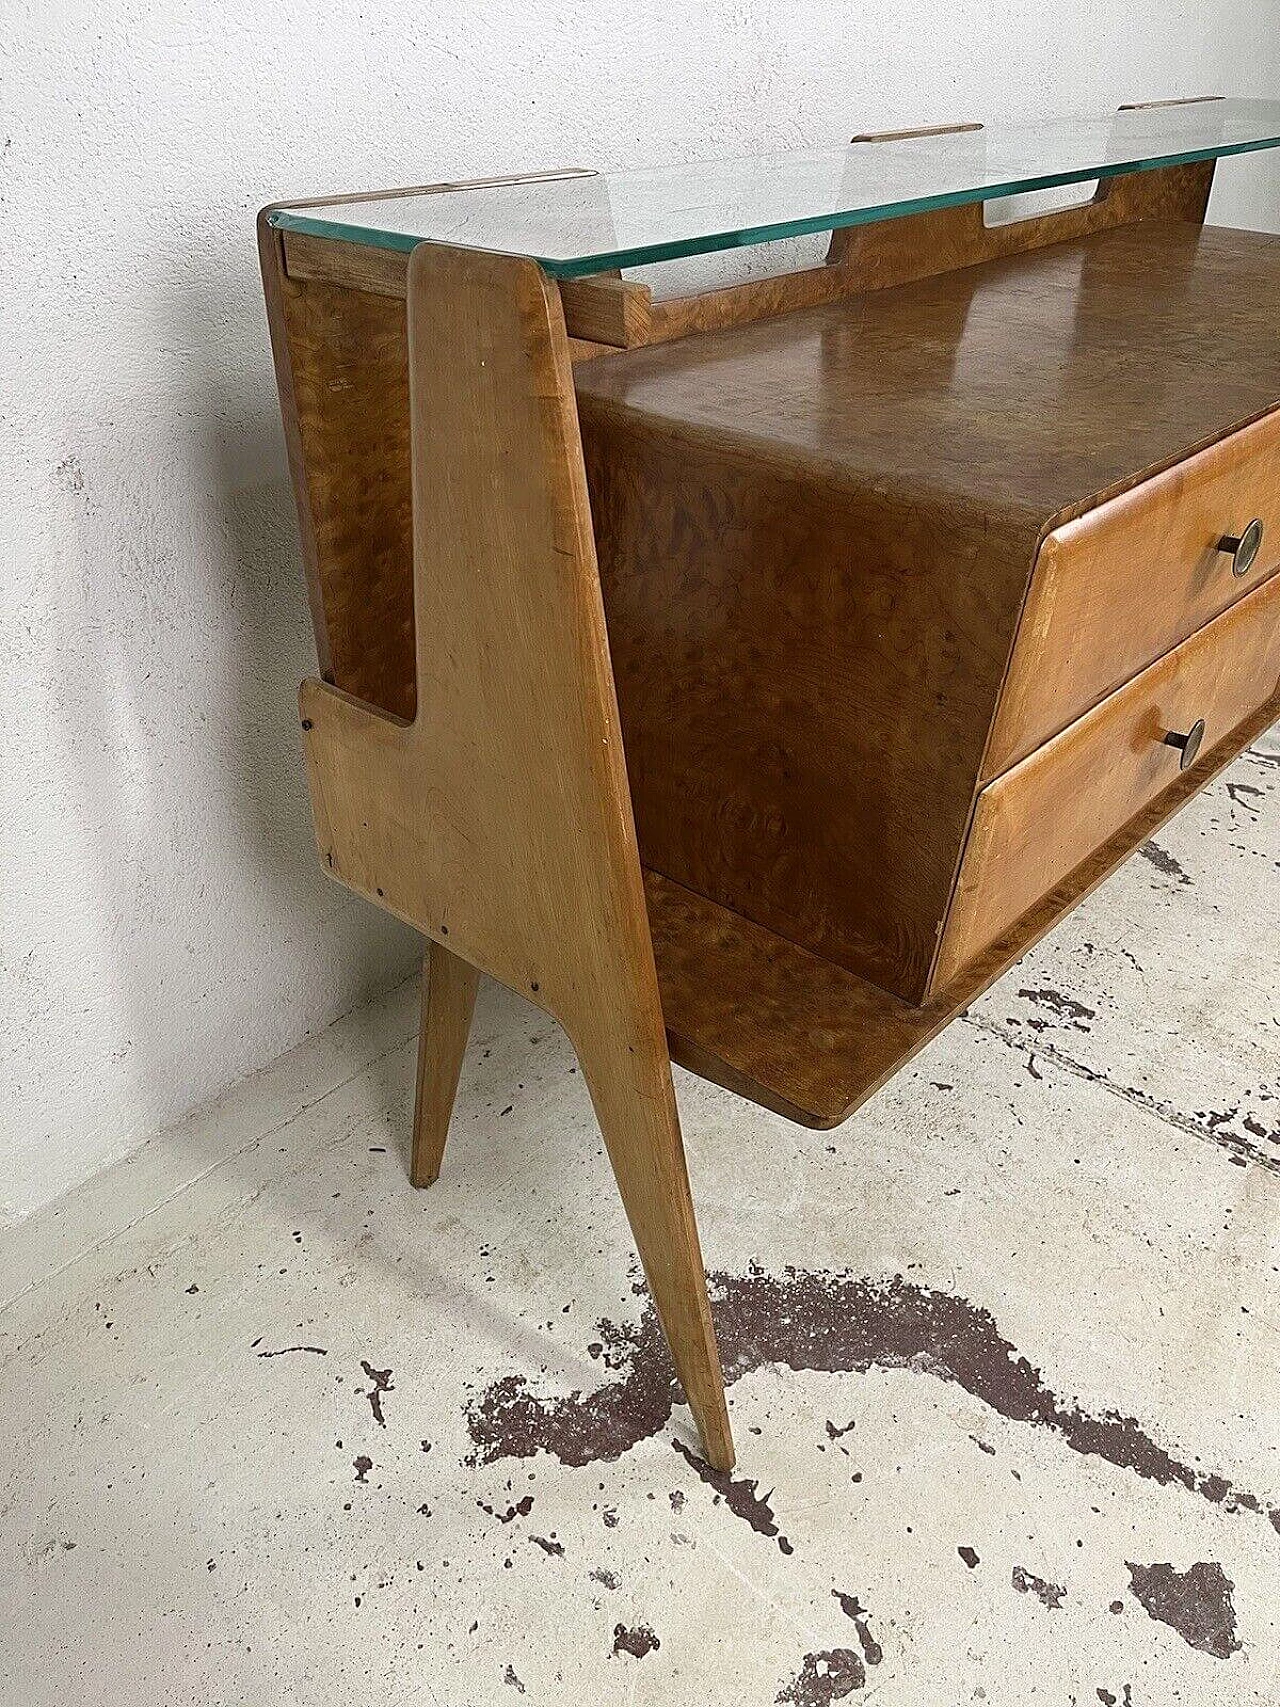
{"x": 872, "y": 1652}
{"x": 1196, "y": 1603}
{"x": 739, "y": 1494}
{"x": 1048, "y": 1594}
{"x": 1213, "y": 1125}
{"x": 835, "y": 1322}
{"x": 521, "y": 1508}
{"x": 637, "y": 1641}
{"x": 1163, "y": 861}
{"x": 1236, "y": 789}
{"x": 382, "y": 1383}
{"x": 1065, "y": 1008}
{"x": 1216, "y": 1123}
{"x": 824, "y": 1678}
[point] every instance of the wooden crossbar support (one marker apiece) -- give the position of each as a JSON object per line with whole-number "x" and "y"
{"x": 608, "y": 313}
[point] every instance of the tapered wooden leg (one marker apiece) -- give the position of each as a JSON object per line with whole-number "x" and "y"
{"x": 635, "y": 1106}
{"x": 448, "y": 1000}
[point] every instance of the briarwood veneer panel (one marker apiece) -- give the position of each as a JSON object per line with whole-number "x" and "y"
{"x": 807, "y": 1039}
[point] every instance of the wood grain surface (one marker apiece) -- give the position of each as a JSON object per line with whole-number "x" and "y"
{"x": 1116, "y": 587}
{"x": 498, "y": 821}
{"x": 789, "y": 1030}
{"x": 816, "y": 535}
{"x": 448, "y": 1001}
{"x": 343, "y": 367}
{"x": 1039, "y": 820}
{"x": 944, "y": 240}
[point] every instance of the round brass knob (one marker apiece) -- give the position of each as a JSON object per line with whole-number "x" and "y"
{"x": 1188, "y": 743}
{"x": 1243, "y": 548}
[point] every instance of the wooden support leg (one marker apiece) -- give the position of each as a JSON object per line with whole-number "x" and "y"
{"x": 448, "y": 1001}
{"x": 504, "y": 807}
{"x": 636, "y": 1108}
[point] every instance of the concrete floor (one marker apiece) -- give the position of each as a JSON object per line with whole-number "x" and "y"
{"x": 281, "y": 1430}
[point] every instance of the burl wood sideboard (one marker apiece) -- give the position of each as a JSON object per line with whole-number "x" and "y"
{"x": 748, "y": 677}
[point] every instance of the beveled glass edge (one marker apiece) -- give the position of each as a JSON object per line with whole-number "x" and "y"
{"x": 649, "y": 254}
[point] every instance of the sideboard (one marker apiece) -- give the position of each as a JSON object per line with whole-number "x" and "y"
{"x": 747, "y": 677}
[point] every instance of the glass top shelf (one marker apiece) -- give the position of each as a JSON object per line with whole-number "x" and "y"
{"x": 577, "y": 223}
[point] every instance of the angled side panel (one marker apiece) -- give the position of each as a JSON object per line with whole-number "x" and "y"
{"x": 499, "y": 821}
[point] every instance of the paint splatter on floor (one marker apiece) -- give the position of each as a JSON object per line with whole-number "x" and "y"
{"x": 521, "y": 1508}
{"x": 849, "y": 1604}
{"x": 1047, "y": 1593}
{"x": 1163, "y": 861}
{"x": 381, "y": 1383}
{"x": 1064, "y": 1009}
{"x": 637, "y": 1641}
{"x": 739, "y": 1494}
{"x": 834, "y": 1322}
{"x": 824, "y": 1678}
{"x": 1196, "y": 1603}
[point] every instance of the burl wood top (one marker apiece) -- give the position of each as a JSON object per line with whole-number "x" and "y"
{"x": 1030, "y": 386}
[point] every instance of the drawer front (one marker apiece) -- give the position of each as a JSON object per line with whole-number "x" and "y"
{"x": 1120, "y": 586}
{"x": 1034, "y": 825}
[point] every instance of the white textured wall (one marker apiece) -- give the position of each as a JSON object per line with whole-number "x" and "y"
{"x": 165, "y": 926}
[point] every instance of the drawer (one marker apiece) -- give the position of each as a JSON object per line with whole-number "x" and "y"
{"x": 1034, "y": 825}
{"x": 1121, "y": 585}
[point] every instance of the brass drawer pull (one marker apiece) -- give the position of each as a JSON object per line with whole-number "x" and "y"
{"x": 1189, "y": 743}
{"x": 1243, "y": 548}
